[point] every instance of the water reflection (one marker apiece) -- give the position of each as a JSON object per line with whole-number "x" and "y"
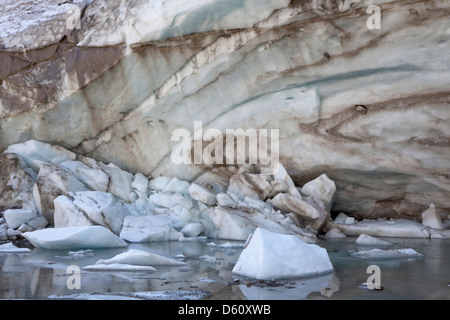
{"x": 42, "y": 273}
{"x": 292, "y": 290}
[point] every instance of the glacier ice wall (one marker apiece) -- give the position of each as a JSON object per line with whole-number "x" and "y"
{"x": 112, "y": 79}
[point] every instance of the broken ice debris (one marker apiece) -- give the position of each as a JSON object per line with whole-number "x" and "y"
{"x": 90, "y": 208}
{"x": 322, "y": 188}
{"x": 249, "y": 185}
{"x": 16, "y": 217}
{"x": 192, "y": 229}
{"x": 227, "y": 245}
{"x": 295, "y": 205}
{"x": 365, "y": 239}
{"x": 203, "y": 194}
{"x": 148, "y": 228}
{"x": 334, "y": 233}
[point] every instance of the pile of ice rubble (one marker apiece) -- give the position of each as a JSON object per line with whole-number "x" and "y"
{"x": 48, "y": 187}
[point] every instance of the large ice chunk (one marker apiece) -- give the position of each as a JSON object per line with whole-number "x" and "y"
{"x": 249, "y": 185}
{"x": 15, "y": 217}
{"x": 90, "y": 208}
{"x": 159, "y": 183}
{"x": 278, "y": 256}
{"x": 37, "y": 223}
{"x": 35, "y": 153}
{"x": 148, "y": 228}
{"x": 52, "y": 182}
{"x": 283, "y": 176}
{"x": 192, "y": 229}
{"x": 140, "y": 183}
{"x": 95, "y": 178}
{"x": 229, "y": 224}
{"x": 181, "y": 217}
{"x": 119, "y": 181}
{"x": 218, "y": 177}
{"x": 81, "y": 237}
{"x": 322, "y": 188}
{"x": 238, "y": 224}
{"x": 295, "y": 205}
{"x": 203, "y": 194}
{"x": 16, "y": 183}
{"x": 176, "y": 185}
{"x": 69, "y": 215}
{"x": 225, "y": 200}
{"x": 431, "y": 219}
{"x": 169, "y": 200}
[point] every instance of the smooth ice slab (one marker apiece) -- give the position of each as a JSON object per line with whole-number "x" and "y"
{"x": 141, "y": 258}
{"x": 74, "y": 238}
{"x": 118, "y": 267}
{"x": 388, "y": 254}
{"x": 10, "y": 248}
{"x": 271, "y": 256}
{"x": 400, "y": 228}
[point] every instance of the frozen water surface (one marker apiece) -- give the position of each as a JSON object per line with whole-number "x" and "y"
{"x": 42, "y": 274}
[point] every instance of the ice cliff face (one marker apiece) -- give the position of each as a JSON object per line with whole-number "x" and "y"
{"x": 113, "y": 79}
